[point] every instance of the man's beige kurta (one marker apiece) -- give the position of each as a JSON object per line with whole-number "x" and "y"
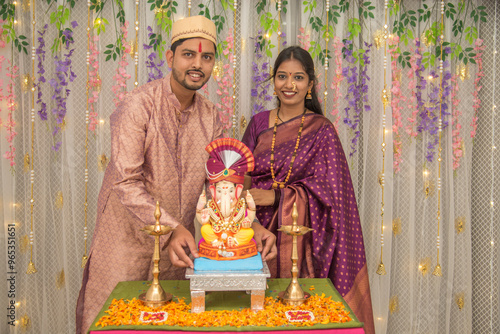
{"x": 157, "y": 154}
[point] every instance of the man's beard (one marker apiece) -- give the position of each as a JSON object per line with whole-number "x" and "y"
{"x": 195, "y": 86}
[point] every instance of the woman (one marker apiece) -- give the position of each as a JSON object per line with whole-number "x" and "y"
{"x": 299, "y": 158}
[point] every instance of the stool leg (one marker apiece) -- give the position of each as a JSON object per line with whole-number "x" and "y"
{"x": 257, "y": 300}
{"x": 197, "y": 301}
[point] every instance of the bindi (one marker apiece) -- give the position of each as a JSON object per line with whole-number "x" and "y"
{"x": 199, "y": 48}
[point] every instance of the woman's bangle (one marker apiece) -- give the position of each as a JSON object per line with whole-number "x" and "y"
{"x": 277, "y": 197}
{"x": 253, "y": 210}
{"x": 198, "y": 211}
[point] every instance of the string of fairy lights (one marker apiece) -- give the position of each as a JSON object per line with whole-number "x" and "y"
{"x": 87, "y": 120}
{"x": 492, "y": 189}
{"x": 235, "y": 5}
{"x": 136, "y": 44}
{"x": 31, "y": 265}
{"x": 327, "y": 39}
{"x": 437, "y": 270}
{"x": 385, "y": 102}
{"x": 279, "y": 25}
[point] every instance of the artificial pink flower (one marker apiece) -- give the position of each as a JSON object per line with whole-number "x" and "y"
{"x": 397, "y": 96}
{"x": 478, "y": 48}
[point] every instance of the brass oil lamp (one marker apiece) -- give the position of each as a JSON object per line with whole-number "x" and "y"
{"x": 156, "y": 296}
{"x": 294, "y": 295}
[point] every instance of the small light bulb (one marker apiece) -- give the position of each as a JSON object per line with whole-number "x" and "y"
{"x": 492, "y": 242}
{"x": 101, "y": 122}
{"x": 18, "y": 304}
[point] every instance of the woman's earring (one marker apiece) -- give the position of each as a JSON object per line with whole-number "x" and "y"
{"x": 309, "y": 96}
{"x": 274, "y": 93}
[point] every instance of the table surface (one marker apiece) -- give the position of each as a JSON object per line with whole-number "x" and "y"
{"x": 226, "y": 300}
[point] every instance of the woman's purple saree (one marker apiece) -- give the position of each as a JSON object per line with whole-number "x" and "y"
{"x": 320, "y": 184}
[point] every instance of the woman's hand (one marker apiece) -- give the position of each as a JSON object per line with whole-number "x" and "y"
{"x": 262, "y": 197}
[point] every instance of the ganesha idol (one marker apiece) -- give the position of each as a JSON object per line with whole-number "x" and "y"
{"x": 227, "y": 218}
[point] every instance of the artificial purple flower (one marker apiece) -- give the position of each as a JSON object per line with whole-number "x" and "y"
{"x": 260, "y": 77}
{"x": 56, "y": 146}
{"x": 40, "y": 53}
{"x": 283, "y": 36}
{"x": 430, "y": 114}
{"x": 64, "y": 75}
{"x": 68, "y": 34}
{"x": 356, "y": 92}
{"x": 154, "y": 69}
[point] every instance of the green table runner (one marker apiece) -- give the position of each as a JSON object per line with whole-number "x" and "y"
{"x": 224, "y": 300}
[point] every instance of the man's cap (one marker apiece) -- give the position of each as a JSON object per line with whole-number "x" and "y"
{"x": 194, "y": 26}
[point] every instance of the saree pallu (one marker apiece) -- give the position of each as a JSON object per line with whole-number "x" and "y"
{"x": 320, "y": 184}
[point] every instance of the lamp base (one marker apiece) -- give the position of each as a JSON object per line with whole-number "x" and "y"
{"x": 293, "y": 301}
{"x": 155, "y": 303}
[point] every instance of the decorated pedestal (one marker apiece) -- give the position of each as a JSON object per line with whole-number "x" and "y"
{"x": 251, "y": 281}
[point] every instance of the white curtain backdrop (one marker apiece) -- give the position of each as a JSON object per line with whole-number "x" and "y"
{"x": 408, "y": 299}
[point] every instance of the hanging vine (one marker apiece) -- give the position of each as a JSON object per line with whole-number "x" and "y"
{"x": 411, "y": 24}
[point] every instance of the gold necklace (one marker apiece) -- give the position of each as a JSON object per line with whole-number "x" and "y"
{"x": 273, "y": 142}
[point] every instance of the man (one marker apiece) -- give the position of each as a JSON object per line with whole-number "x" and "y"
{"x": 158, "y": 137}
